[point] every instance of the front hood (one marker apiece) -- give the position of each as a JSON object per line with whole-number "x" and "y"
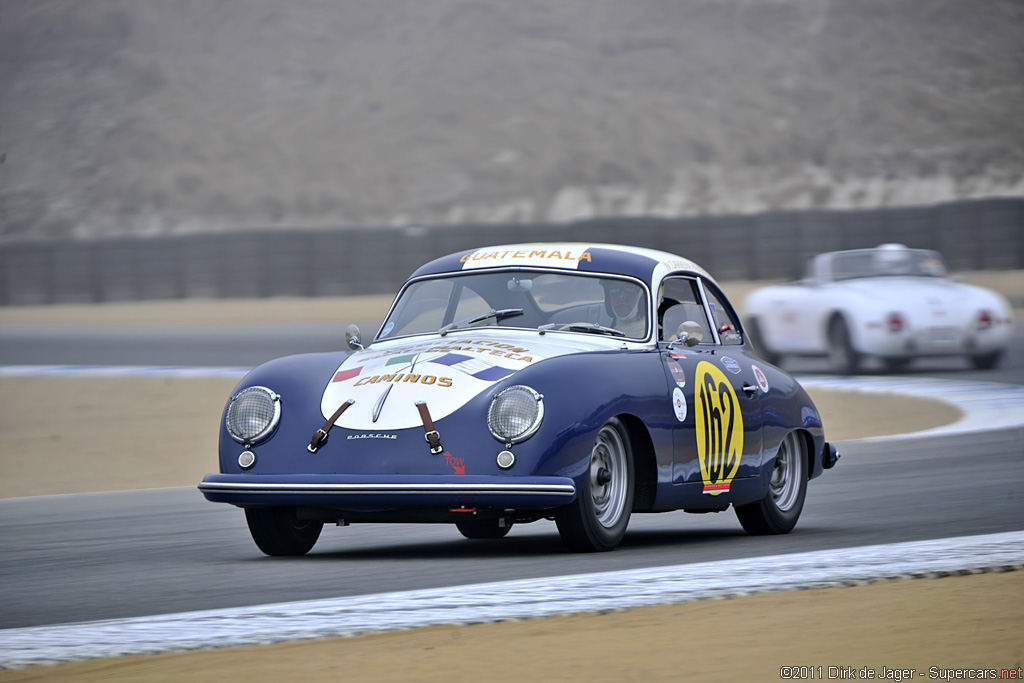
{"x": 386, "y": 380}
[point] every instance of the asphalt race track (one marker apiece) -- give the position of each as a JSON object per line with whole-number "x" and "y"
{"x": 131, "y": 554}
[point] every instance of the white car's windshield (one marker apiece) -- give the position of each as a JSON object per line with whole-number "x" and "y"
{"x": 882, "y": 262}
{"x": 523, "y": 299}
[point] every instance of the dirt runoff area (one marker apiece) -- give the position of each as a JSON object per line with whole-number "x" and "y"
{"x": 85, "y": 437}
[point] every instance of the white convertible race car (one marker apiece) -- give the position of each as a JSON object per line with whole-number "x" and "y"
{"x": 892, "y": 303}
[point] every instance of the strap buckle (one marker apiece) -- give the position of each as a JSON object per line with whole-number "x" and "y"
{"x": 434, "y": 439}
{"x": 318, "y": 438}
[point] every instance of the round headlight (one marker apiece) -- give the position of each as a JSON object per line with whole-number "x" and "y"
{"x": 515, "y": 413}
{"x": 252, "y": 414}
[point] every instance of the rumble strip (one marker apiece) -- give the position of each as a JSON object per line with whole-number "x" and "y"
{"x": 597, "y": 592}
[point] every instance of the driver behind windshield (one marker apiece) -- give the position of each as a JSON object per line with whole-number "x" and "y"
{"x": 624, "y": 302}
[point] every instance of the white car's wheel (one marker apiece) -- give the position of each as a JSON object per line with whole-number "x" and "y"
{"x": 986, "y": 361}
{"x": 779, "y": 510}
{"x": 597, "y": 519}
{"x": 843, "y": 358}
{"x": 756, "y": 339}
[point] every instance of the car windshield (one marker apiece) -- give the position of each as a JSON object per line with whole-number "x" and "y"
{"x": 540, "y": 300}
{"x": 882, "y": 262}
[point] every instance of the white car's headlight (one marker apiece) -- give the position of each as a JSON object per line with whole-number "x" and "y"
{"x": 515, "y": 413}
{"x": 252, "y": 414}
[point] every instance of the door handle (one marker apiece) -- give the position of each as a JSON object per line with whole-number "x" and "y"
{"x": 751, "y": 388}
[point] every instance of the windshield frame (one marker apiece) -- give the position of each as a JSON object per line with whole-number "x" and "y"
{"x": 511, "y": 322}
{"x": 917, "y": 264}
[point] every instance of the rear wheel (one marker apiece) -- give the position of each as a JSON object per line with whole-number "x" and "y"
{"x": 986, "y": 361}
{"x": 482, "y": 528}
{"x": 779, "y": 510}
{"x": 278, "y": 531}
{"x": 843, "y": 358}
{"x": 597, "y": 519}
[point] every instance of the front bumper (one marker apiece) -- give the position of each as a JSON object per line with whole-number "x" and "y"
{"x": 364, "y": 492}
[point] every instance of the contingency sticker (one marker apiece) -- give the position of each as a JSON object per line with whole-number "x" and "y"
{"x": 762, "y": 380}
{"x": 677, "y": 373}
{"x": 679, "y": 404}
{"x": 719, "y": 428}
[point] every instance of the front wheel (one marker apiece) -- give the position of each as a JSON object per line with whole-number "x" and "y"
{"x": 279, "y": 532}
{"x": 757, "y": 341}
{"x": 843, "y": 358}
{"x": 597, "y": 519}
{"x": 779, "y": 510}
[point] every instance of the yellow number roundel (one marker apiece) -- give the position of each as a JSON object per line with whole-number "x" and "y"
{"x": 719, "y": 428}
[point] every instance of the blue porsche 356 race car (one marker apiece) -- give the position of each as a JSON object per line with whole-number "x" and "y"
{"x": 580, "y": 383}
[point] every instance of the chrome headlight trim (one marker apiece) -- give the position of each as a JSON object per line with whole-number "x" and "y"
{"x": 252, "y": 414}
{"x": 515, "y": 414}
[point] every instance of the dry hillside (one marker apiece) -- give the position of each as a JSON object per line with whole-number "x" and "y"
{"x": 171, "y": 116}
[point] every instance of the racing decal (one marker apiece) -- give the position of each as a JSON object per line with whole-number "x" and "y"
{"x": 730, "y": 365}
{"x": 677, "y": 373}
{"x": 343, "y": 375}
{"x": 458, "y": 465}
{"x": 446, "y": 371}
{"x": 474, "y": 367}
{"x": 490, "y": 348}
{"x": 560, "y": 255}
{"x": 762, "y": 380}
{"x": 719, "y": 428}
{"x": 406, "y": 377}
{"x": 679, "y": 404}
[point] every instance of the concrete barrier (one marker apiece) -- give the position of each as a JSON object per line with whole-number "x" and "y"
{"x": 983, "y": 234}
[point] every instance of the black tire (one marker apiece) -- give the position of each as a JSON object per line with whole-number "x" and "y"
{"x": 597, "y": 520}
{"x": 986, "y": 361}
{"x": 756, "y": 340}
{"x": 779, "y": 510}
{"x": 896, "y": 364}
{"x": 843, "y": 358}
{"x": 482, "y": 528}
{"x": 279, "y": 532}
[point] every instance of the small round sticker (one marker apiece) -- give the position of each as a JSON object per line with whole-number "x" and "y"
{"x": 731, "y": 365}
{"x": 679, "y": 404}
{"x": 762, "y": 381}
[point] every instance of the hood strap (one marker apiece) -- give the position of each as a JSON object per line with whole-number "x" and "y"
{"x": 432, "y": 437}
{"x": 321, "y": 434}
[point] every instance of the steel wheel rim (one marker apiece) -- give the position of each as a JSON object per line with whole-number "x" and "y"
{"x": 785, "y": 479}
{"x": 609, "y": 498}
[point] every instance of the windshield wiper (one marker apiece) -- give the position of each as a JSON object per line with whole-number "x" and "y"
{"x": 595, "y": 329}
{"x": 498, "y": 316}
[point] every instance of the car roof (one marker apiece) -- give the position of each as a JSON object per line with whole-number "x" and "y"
{"x": 649, "y": 265}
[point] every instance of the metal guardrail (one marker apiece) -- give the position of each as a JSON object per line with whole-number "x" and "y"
{"x": 983, "y": 234}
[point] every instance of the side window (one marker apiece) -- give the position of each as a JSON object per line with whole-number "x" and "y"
{"x": 725, "y": 321}
{"x": 679, "y": 302}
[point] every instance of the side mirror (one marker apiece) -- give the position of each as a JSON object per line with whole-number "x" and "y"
{"x": 352, "y": 337}
{"x": 689, "y": 333}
